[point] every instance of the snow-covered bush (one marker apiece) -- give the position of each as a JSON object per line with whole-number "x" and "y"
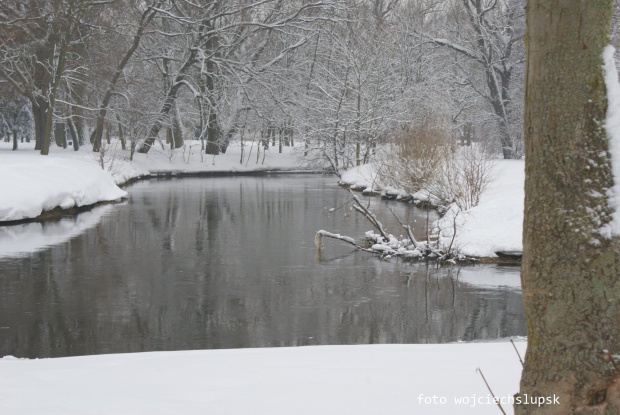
{"x": 424, "y": 158}
{"x": 463, "y": 177}
{"x": 413, "y": 156}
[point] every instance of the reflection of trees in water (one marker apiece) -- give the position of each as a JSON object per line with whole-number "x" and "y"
{"x": 204, "y": 264}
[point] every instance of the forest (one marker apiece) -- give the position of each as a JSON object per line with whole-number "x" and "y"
{"x": 340, "y": 75}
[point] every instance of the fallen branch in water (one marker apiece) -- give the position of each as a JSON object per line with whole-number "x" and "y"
{"x": 368, "y": 214}
{"x": 387, "y": 245}
{"x": 407, "y": 228}
{"x": 318, "y": 240}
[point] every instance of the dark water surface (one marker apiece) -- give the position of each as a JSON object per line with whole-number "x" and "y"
{"x": 227, "y": 262}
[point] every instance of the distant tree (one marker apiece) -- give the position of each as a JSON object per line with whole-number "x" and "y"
{"x": 228, "y": 47}
{"x": 571, "y": 263}
{"x": 485, "y": 38}
{"x": 148, "y": 12}
{"x": 15, "y": 118}
{"x": 37, "y": 44}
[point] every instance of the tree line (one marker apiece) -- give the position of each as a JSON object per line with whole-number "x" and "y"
{"x": 344, "y": 75}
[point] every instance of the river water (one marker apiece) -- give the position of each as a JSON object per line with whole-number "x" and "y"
{"x": 228, "y": 262}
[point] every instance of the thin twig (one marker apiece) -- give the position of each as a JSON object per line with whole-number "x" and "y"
{"x": 428, "y": 241}
{"x": 489, "y": 388}
{"x": 369, "y": 215}
{"x": 518, "y": 354}
{"x": 454, "y": 232}
{"x": 407, "y": 227}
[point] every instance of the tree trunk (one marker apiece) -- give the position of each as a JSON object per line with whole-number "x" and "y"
{"x": 213, "y": 135}
{"x": 47, "y": 128}
{"x": 570, "y": 271}
{"x": 177, "y": 130}
{"x": 97, "y": 134}
{"x": 146, "y": 18}
{"x": 171, "y": 97}
{"x": 60, "y": 135}
{"x": 38, "y": 113}
{"x": 121, "y": 136}
{"x": 506, "y": 141}
{"x": 280, "y": 142}
{"x": 74, "y": 134}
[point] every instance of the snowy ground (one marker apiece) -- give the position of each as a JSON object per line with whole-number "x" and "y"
{"x": 375, "y": 379}
{"x": 32, "y": 183}
{"x": 494, "y": 225}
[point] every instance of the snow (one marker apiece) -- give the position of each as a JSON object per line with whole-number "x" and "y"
{"x": 363, "y": 177}
{"x": 612, "y": 126}
{"x": 496, "y": 224}
{"x": 190, "y": 159}
{"x": 66, "y": 178}
{"x": 32, "y": 184}
{"x": 369, "y": 379}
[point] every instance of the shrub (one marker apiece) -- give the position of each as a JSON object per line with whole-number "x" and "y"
{"x": 423, "y": 158}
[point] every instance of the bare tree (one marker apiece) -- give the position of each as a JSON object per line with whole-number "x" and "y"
{"x": 485, "y": 37}
{"x": 148, "y": 14}
{"x": 36, "y": 53}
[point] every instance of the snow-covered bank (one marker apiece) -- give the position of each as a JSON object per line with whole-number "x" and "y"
{"x": 190, "y": 160}
{"x": 31, "y": 184}
{"x": 376, "y": 379}
{"x": 494, "y": 225}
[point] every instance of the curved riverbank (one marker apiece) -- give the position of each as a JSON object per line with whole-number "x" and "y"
{"x": 39, "y": 188}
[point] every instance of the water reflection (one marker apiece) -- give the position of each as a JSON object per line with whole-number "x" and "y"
{"x": 230, "y": 262}
{"x": 22, "y": 239}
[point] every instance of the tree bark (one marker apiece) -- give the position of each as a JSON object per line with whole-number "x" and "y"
{"x": 213, "y": 134}
{"x": 39, "y": 112}
{"x": 159, "y": 121}
{"x": 121, "y": 136}
{"x": 169, "y": 102}
{"x": 74, "y": 134}
{"x": 569, "y": 275}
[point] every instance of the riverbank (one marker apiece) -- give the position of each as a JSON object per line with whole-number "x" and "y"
{"x": 370, "y": 379}
{"x": 495, "y": 225}
{"x": 42, "y": 187}
{"x": 36, "y": 187}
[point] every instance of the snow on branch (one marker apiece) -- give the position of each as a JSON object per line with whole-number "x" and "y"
{"x": 386, "y": 245}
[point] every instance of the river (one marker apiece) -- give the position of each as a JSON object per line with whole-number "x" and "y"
{"x": 229, "y": 262}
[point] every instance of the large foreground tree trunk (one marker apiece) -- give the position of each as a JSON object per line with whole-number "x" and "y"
{"x": 570, "y": 273}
